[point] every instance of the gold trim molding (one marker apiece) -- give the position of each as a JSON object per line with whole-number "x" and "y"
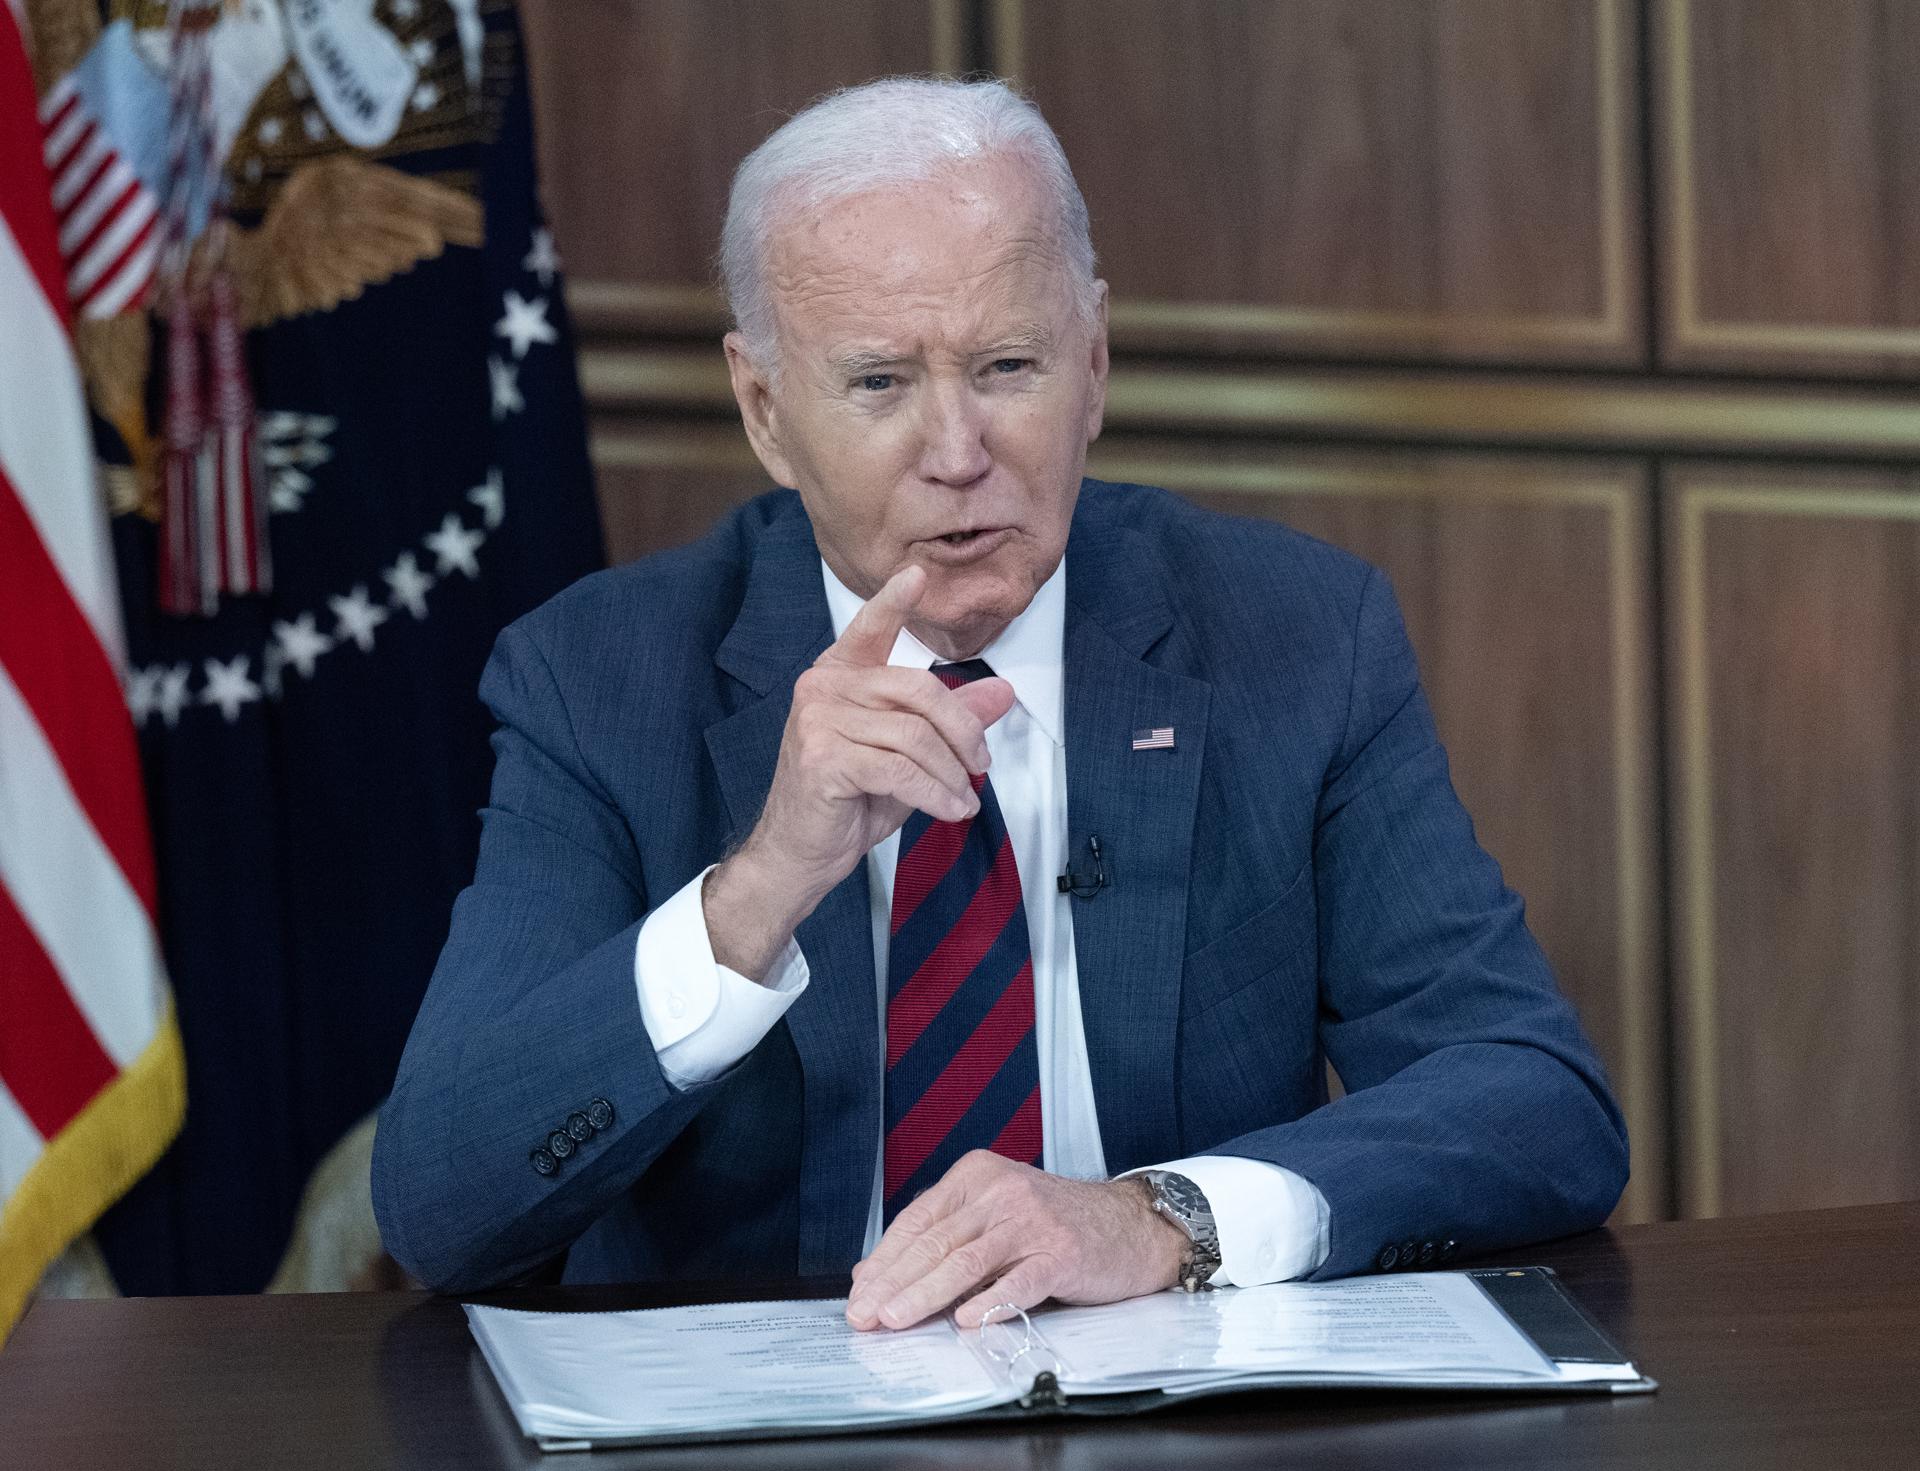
{"x": 1627, "y": 415}
{"x": 948, "y": 49}
{"x": 1693, "y": 498}
{"x": 1686, "y": 327}
{"x": 1149, "y": 323}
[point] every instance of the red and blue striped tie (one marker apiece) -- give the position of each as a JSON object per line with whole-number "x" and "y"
{"x": 963, "y": 1070}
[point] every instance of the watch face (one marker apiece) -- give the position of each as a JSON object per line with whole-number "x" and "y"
{"x": 1182, "y": 1195}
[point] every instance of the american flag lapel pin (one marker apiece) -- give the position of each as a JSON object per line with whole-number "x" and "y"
{"x": 1160, "y": 738}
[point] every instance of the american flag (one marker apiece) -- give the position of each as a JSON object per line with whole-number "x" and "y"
{"x": 104, "y": 125}
{"x": 1160, "y": 738}
{"x": 91, "y": 1077}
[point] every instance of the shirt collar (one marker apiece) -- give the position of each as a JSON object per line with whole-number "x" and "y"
{"x": 1027, "y": 654}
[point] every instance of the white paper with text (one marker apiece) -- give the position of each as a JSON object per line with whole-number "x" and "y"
{"x": 728, "y": 1365}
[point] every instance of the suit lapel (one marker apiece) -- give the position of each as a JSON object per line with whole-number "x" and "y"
{"x": 1129, "y": 939}
{"x": 782, "y": 628}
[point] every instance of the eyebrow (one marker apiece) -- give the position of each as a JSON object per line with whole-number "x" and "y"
{"x": 858, "y": 363}
{"x": 1033, "y": 338}
{"x": 862, "y": 361}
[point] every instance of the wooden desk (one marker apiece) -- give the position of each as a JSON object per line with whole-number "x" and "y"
{"x": 1779, "y": 1341}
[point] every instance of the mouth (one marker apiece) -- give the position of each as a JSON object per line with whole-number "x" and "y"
{"x": 956, "y": 546}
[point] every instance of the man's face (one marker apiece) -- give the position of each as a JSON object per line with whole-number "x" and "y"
{"x": 937, "y": 393}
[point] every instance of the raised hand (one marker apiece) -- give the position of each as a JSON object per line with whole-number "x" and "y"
{"x": 865, "y": 744}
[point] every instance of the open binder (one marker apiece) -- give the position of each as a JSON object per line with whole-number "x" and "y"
{"x": 740, "y": 1371}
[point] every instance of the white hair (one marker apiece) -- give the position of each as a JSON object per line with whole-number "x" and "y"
{"x": 897, "y": 131}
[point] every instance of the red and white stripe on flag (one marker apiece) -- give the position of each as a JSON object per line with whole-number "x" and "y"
{"x": 91, "y": 1080}
{"x": 109, "y": 220}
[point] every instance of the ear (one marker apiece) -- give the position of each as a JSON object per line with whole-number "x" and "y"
{"x": 753, "y": 391}
{"x": 1097, "y": 396}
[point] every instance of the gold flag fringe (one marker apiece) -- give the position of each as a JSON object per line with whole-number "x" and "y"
{"x": 90, "y": 1164}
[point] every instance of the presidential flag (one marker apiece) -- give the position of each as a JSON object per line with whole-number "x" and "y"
{"x": 90, "y": 1060}
{"x": 315, "y": 754}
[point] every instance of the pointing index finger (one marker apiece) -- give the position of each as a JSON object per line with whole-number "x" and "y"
{"x": 869, "y": 638}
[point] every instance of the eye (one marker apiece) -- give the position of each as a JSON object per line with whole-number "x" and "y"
{"x": 1010, "y": 365}
{"x": 875, "y": 382}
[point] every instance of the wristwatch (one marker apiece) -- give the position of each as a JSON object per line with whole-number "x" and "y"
{"x": 1182, "y": 1202}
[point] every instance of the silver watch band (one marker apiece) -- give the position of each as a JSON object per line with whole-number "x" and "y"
{"x": 1184, "y": 1203}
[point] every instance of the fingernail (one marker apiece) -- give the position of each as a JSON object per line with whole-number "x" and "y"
{"x": 860, "y": 1307}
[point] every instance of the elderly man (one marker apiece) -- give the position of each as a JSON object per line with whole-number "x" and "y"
{"x": 959, "y": 873}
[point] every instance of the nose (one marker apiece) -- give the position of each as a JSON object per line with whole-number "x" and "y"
{"x": 954, "y": 435}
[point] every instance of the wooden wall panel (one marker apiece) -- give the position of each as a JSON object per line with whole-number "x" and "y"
{"x": 1451, "y": 179}
{"x": 663, "y": 485}
{"x": 1796, "y": 687}
{"x": 645, "y": 107}
{"x": 1788, "y": 135}
{"x": 1525, "y": 585}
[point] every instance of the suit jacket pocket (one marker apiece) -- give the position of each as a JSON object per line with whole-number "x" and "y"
{"x": 1253, "y": 949}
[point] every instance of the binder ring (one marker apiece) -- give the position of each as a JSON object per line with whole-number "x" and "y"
{"x": 1030, "y": 1345}
{"x": 1027, "y": 1338}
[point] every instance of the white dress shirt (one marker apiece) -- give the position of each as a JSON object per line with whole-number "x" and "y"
{"x": 703, "y": 1018}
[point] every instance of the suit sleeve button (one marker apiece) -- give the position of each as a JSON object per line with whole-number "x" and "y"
{"x": 1389, "y": 1259}
{"x": 600, "y": 1113}
{"x": 1409, "y": 1254}
{"x": 1448, "y": 1248}
{"x": 1426, "y": 1252}
{"x": 560, "y": 1144}
{"x": 580, "y": 1127}
{"x": 543, "y": 1163}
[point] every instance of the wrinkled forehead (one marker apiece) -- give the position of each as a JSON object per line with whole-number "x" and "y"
{"x": 976, "y": 243}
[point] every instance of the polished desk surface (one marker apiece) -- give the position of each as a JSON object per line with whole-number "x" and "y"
{"x": 1789, "y": 1340}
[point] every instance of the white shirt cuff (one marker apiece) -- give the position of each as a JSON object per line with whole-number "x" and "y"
{"x": 703, "y": 1018}
{"x": 1272, "y": 1222}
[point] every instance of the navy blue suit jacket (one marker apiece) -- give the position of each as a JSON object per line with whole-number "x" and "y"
{"x": 1294, "y": 882}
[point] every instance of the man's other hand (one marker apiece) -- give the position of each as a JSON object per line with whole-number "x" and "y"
{"x": 996, "y": 1231}
{"x": 865, "y": 744}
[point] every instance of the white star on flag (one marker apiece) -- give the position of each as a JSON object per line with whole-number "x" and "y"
{"x": 408, "y": 585}
{"x": 425, "y": 96}
{"x": 505, "y": 378}
{"x": 543, "y": 260}
{"x": 491, "y": 498}
{"x": 453, "y": 546}
{"x": 357, "y": 617}
{"x": 173, "y": 693}
{"x": 405, "y": 9}
{"x": 290, "y": 487}
{"x": 299, "y": 643}
{"x": 307, "y": 452}
{"x": 525, "y": 322}
{"x": 143, "y": 692}
{"x": 421, "y": 50}
{"x": 228, "y": 686}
